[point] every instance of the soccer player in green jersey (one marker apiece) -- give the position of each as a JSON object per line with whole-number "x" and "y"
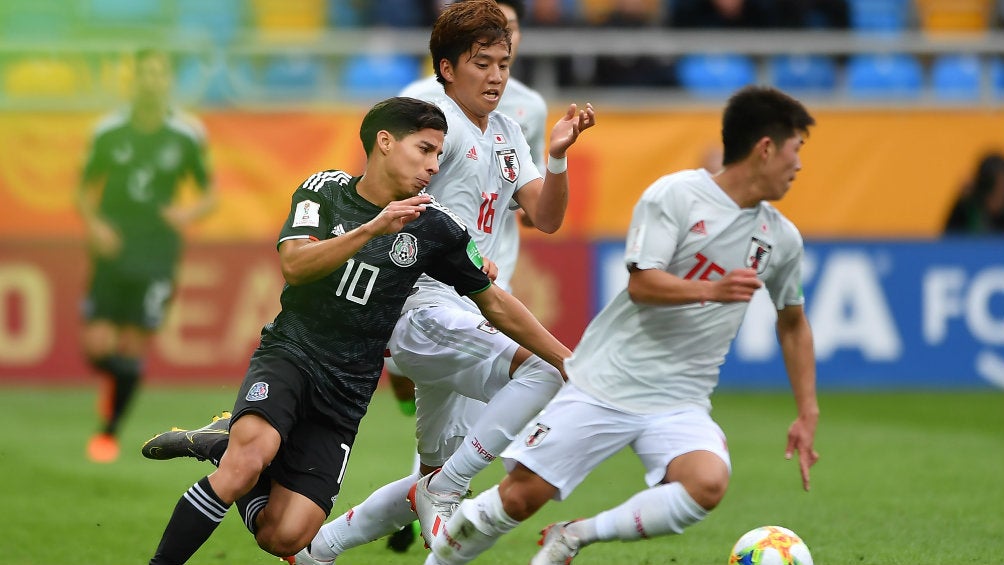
{"x": 139, "y": 158}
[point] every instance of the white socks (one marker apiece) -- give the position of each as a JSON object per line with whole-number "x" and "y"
{"x": 384, "y": 512}
{"x": 660, "y": 510}
{"x": 472, "y": 530}
{"x": 533, "y": 384}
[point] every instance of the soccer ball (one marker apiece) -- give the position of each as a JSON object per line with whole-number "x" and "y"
{"x": 770, "y": 545}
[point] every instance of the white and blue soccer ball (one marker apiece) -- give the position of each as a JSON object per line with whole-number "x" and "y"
{"x": 770, "y": 545}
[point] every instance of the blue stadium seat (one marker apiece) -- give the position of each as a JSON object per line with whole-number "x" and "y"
{"x": 880, "y": 16}
{"x": 803, "y": 73}
{"x": 211, "y": 81}
{"x": 957, "y": 77}
{"x": 344, "y": 13}
{"x": 997, "y": 77}
{"x": 884, "y": 77}
{"x": 297, "y": 77}
{"x": 397, "y": 13}
{"x": 121, "y": 12}
{"x": 715, "y": 75}
{"x": 378, "y": 76}
{"x": 217, "y": 20}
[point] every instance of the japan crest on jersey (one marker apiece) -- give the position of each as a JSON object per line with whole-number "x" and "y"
{"x": 404, "y": 250}
{"x": 537, "y": 435}
{"x": 758, "y": 254}
{"x": 508, "y": 164}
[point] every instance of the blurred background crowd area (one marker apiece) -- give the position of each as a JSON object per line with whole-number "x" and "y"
{"x": 73, "y": 53}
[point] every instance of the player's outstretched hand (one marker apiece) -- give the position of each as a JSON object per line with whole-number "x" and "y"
{"x": 801, "y": 435}
{"x": 737, "y": 286}
{"x": 398, "y": 213}
{"x": 568, "y": 128}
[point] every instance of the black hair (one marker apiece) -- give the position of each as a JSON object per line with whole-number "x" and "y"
{"x": 989, "y": 169}
{"x": 401, "y": 116}
{"x": 757, "y": 111}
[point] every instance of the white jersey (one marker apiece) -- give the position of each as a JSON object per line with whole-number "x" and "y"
{"x": 479, "y": 172}
{"x": 647, "y": 359}
{"x": 529, "y": 110}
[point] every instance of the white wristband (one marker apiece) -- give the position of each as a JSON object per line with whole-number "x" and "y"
{"x": 557, "y": 166}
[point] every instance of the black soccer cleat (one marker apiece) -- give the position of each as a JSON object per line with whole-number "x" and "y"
{"x": 402, "y": 539}
{"x": 198, "y": 443}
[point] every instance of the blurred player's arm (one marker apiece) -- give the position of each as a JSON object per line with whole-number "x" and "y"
{"x": 102, "y": 237}
{"x": 545, "y": 200}
{"x": 657, "y": 287}
{"x": 795, "y": 337}
{"x": 180, "y": 215}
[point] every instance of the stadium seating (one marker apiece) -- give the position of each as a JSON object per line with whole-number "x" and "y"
{"x": 292, "y": 77}
{"x": 880, "y": 16}
{"x": 100, "y": 13}
{"x": 44, "y": 77}
{"x": 217, "y": 20}
{"x": 37, "y": 19}
{"x": 997, "y": 77}
{"x": 954, "y": 15}
{"x": 376, "y": 76}
{"x": 715, "y": 75}
{"x": 282, "y": 16}
{"x": 212, "y": 80}
{"x": 803, "y": 74}
{"x": 344, "y": 13}
{"x": 884, "y": 77}
{"x": 957, "y": 78}
{"x": 397, "y": 13}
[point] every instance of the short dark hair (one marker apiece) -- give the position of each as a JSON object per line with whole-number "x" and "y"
{"x": 757, "y": 111}
{"x": 401, "y": 116}
{"x": 461, "y": 26}
{"x": 989, "y": 169}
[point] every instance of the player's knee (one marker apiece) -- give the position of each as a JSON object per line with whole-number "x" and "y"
{"x": 536, "y": 370}
{"x": 240, "y": 469}
{"x": 708, "y": 489}
{"x": 523, "y": 493}
{"x": 282, "y": 541}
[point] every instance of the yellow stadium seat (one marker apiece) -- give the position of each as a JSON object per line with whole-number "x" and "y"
{"x": 47, "y": 77}
{"x": 954, "y": 15}
{"x": 289, "y": 16}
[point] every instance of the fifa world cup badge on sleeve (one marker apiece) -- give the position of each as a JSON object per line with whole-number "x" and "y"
{"x": 307, "y": 214}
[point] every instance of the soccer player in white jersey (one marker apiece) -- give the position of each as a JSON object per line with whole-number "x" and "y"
{"x": 440, "y": 342}
{"x": 528, "y": 108}
{"x": 699, "y": 245}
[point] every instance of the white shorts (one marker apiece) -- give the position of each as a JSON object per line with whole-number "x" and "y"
{"x": 457, "y": 361}
{"x": 576, "y": 432}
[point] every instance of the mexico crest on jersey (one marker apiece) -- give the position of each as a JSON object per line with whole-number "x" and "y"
{"x": 758, "y": 254}
{"x": 508, "y": 164}
{"x": 404, "y": 250}
{"x": 258, "y": 391}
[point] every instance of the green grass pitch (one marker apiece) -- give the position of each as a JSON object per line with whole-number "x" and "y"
{"x": 904, "y": 478}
